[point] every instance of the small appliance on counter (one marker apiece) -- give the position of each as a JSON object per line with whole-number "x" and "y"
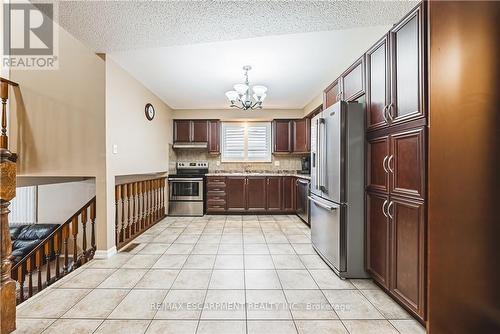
{"x": 186, "y": 195}
{"x": 306, "y": 165}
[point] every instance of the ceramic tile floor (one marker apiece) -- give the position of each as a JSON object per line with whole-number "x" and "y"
{"x": 215, "y": 275}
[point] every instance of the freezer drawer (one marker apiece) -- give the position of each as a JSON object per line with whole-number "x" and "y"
{"x": 326, "y": 232}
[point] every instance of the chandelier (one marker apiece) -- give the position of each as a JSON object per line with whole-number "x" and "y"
{"x": 240, "y": 97}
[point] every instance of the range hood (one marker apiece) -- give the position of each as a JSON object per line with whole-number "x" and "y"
{"x": 192, "y": 146}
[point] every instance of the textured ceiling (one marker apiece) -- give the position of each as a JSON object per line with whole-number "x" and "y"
{"x": 108, "y": 26}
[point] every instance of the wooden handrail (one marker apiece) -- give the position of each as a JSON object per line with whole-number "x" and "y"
{"x": 138, "y": 206}
{"x": 9, "y": 82}
{"x": 48, "y": 252}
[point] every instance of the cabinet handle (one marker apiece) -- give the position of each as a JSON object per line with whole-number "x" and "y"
{"x": 383, "y": 164}
{"x": 384, "y": 113}
{"x": 384, "y": 209}
{"x": 389, "y": 210}
{"x": 389, "y": 164}
{"x": 389, "y": 112}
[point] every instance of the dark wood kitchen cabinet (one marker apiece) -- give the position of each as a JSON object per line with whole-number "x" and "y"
{"x": 236, "y": 193}
{"x": 182, "y": 131}
{"x": 256, "y": 193}
{"x": 352, "y": 81}
{"x": 377, "y": 154}
{"x": 282, "y": 136}
{"x": 301, "y": 135}
{"x": 288, "y": 194}
{"x": 273, "y": 193}
{"x": 331, "y": 94}
{"x": 378, "y": 237}
{"x": 214, "y": 137}
{"x": 408, "y": 252}
{"x": 200, "y": 131}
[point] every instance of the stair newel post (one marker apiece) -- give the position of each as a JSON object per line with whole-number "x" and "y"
{"x": 134, "y": 208}
{"x": 84, "y": 235}
{"x": 117, "y": 213}
{"x": 123, "y": 196}
{"x": 74, "y": 232}
{"x": 92, "y": 224}
{"x": 7, "y": 193}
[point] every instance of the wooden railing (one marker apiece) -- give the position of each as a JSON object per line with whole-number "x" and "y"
{"x": 60, "y": 253}
{"x": 139, "y": 205}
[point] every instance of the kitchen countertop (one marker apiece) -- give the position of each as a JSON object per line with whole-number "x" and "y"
{"x": 302, "y": 176}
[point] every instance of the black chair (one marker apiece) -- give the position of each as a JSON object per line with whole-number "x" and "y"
{"x": 25, "y": 237}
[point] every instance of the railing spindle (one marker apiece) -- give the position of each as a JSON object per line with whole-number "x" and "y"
{"x": 129, "y": 210}
{"x": 134, "y": 208}
{"x": 124, "y": 195}
{"x": 57, "y": 251}
{"x": 74, "y": 232}
{"x": 117, "y": 210}
{"x": 20, "y": 279}
{"x": 38, "y": 263}
{"x": 47, "y": 259}
{"x": 92, "y": 224}
{"x": 29, "y": 269}
{"x": 65, "y": 235}
{"x": 139, "y": 205}
{"x": 84, "y": 235}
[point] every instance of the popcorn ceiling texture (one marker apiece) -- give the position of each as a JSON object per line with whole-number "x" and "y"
{"x": 289, "y": 163}
{"x": 109, "y": 26}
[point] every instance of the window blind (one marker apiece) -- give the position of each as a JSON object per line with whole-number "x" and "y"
{"x": 246, "y": 142}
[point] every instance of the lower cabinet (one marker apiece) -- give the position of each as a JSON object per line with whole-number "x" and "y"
{"x": 245, "y": 194}
{"x": 236, "y": 194}
{"x": 396, "y": 247}
{"x": 274, "y": 193}
{"x": 256, "y": 194}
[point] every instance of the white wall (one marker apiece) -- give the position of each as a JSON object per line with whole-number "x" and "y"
{"x": 58, "y": 202}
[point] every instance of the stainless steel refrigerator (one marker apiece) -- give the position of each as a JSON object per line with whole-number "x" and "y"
{"x": 337, "y": 188}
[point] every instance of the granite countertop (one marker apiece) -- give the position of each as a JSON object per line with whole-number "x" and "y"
{"x": 270, "y": 173}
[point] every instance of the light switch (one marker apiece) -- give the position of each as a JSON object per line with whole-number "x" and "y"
{"x": 115, "y": 149}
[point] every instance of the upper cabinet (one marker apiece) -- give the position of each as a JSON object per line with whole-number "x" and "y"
{"x": 198, "y": 131}
{"x": 331, "y": 94}
{"x": 407, "y": 69}
{"x": 292, "y": 135}
{"x": 394, "y": 75}
{"x": 282, "y": 136}
{"x": 353, "y": 81}
{"x": 301, "y": 135}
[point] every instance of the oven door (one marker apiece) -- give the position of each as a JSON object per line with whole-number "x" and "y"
{"x": 186, "y": 189}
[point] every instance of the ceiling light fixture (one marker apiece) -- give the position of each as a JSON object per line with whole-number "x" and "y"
{"x": 240, "y": 97}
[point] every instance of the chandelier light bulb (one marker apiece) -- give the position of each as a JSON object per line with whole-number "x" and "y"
{"x": 242, "y": 98}
{"x": 259, "y": 90}
{"x": 232, "y": 95}
{"x": 241, "y": 88}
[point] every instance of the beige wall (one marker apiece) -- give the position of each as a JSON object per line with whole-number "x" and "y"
{"x": 142, "y": 145}
{"x": 237, "y": 115}
{"x": 58, "y": 121}
{"x": 313, "y": 104}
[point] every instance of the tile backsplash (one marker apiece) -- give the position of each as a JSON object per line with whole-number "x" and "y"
{"x": 286, "y": 162}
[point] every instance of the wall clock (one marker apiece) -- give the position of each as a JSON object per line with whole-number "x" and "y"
{"x": 150, "y": 111}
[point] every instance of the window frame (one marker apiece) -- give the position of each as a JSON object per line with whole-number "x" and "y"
{"x": 246, "y": 125}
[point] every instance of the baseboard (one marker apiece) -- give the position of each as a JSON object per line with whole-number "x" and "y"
{"x": 105, "y": 254}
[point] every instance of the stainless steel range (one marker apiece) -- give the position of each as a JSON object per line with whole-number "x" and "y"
{"x": 186, "y": 195}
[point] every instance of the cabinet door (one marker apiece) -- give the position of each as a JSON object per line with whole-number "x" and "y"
{"x": 256, "y": 193}
{"x": 331, "y": 94}
{"x": 406, "y": 51}
{"x": 377, "y": 174}
{"x": 353, "y": 81}
{"x": 288, "y": 194}
{"x": 302, "y": 135}
{"x": 282, "y": 132}
{"x": 408, "y": 253}
{"x": 378, "y": 84}
{"x": 236, "y": 199}
{"x": 200, "y": 131}
{"x": 378, "y": 240}
{"x": 273, "y": 193}
{"x": 214, "y": 137}
{"x": 182, "y": 131}
{"x": 407, "y": 163}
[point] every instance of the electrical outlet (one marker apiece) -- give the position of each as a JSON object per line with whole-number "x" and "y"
{"x": 277, "y": 163}
{"x": 218, "y": 163}
{"x": 115, "y": 149}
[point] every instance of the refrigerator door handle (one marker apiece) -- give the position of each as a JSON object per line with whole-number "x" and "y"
{"x": 322, "y": 153}
{"x": 322, "y": 205}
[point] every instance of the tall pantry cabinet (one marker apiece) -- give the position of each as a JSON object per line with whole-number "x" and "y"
{"x": 396, "y": 162}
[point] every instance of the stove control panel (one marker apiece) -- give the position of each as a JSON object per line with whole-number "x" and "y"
{"x": 192, "y": 164}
